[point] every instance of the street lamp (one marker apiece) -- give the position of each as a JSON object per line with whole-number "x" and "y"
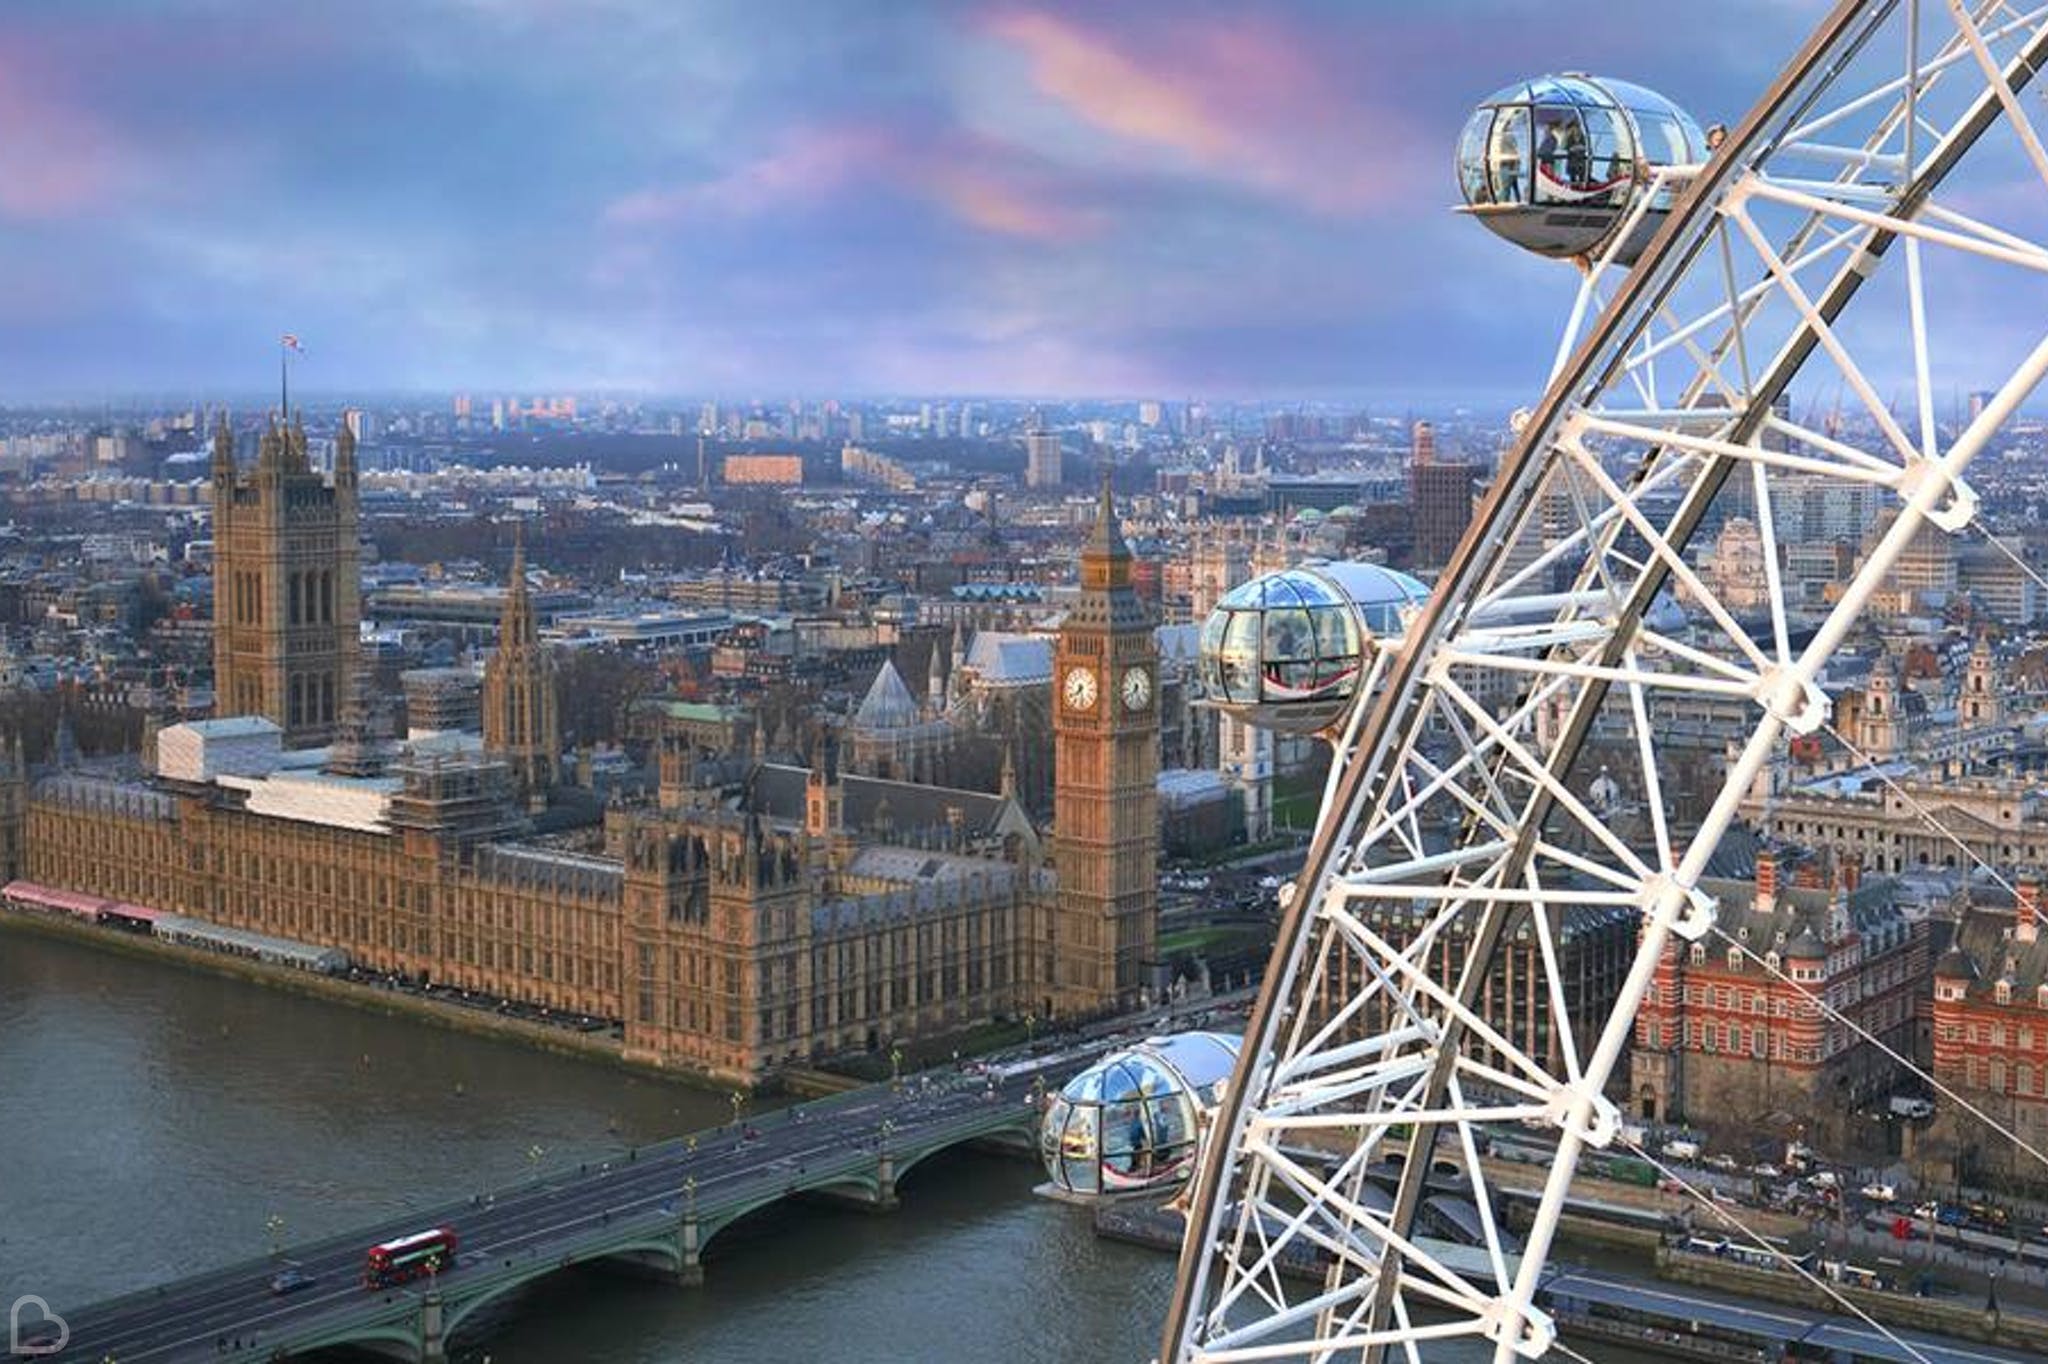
{"x": 533, "y": 1155}
{"x": 274, "y": 1225}
{"x": 739, "y": 1102}
{"x": 896, "y": 1069}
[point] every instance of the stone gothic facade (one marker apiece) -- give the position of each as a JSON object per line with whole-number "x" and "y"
{"x": 286, "y": 589}
{"x": 519, "y": 703}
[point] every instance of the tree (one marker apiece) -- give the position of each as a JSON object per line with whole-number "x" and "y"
{"x": 595, "y": 687}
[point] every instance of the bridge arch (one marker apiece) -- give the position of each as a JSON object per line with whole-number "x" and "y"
{"x": 664, "y": 1249}
{"x": 911, "y": 1159}
{"x": 400, "y": 1333}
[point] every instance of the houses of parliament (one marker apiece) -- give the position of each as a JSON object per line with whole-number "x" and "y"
{"x": 729, "y": 927}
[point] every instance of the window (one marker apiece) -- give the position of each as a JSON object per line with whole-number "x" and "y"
{"x": 1509, "y": 166}
{"x": 1562, "y": 165}
{"x": 1472, "y": 158}
{"x": 1607, "y": 163}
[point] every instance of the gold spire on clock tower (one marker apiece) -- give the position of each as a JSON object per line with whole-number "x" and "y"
{"x": 1105, "y": 797}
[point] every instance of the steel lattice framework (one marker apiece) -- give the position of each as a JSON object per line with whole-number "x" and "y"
{"x": 1458, "y": 798}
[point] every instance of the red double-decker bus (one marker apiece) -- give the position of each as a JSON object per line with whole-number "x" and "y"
{"x": 408, "y": 1257}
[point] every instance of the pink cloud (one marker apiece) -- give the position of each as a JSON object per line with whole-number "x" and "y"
{"x": 1009, "y": 207}
{"x": 810, "y": 164}
{"x": 56, "y": 158}
{"x": 1240, "y": 99}
{"x": 1090, "y": 76}
{"x": 982, "y": 184}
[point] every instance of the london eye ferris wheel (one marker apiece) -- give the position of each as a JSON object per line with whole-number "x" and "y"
{"x": 1876, "y": 227}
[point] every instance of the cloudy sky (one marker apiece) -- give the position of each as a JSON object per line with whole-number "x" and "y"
{"x": 1161, "y": 197}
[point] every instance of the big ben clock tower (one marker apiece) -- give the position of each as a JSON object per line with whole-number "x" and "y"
{"x": 1105, "y": 797}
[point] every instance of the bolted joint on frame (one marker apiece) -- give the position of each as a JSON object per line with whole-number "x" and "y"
{"x": 1585, "y": 1113}
{"x": 1529, "y": 1332}
{"x": 1690, "y": 910}
{"x": 1797, "y": 702}
{"x": 1953, "y": 515}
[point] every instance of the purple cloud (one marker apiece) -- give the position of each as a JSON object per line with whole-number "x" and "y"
{"x": 1169, "y": 196}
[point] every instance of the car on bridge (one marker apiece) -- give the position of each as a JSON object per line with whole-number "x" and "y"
{"x": 291, "y": 1281}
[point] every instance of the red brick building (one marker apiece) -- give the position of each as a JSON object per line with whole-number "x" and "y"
{"x": 1734, "y": 1036}
{"x": 1991, "y": 1039}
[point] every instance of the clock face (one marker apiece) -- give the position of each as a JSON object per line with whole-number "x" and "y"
{"x": 1137, "y": 689}
{"x": 1079, "y": 689}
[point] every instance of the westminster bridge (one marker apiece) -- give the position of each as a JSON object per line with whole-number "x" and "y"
{"x": 652, "y": 1209}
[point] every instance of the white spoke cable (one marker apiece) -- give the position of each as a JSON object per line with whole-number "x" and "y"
{"x": 1834, "y": 1014}
{"x": 1503, "y": 679}
{"x": 2022, "y": 564}
{"x": 1574, "y": 1355}
{"x": 1927, "y": 816}
{"x": 1749, "y": 1234}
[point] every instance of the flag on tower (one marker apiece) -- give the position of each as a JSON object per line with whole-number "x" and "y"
{"x": 291, "y": 342}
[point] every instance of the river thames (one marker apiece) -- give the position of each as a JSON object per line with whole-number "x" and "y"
{"x": 156, "y": 1120}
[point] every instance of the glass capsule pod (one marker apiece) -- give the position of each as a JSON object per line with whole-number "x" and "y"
{"x": 1128, "y": 1124}
{"x": 1288, "y": 651}
{"x": 1555, "y": 165}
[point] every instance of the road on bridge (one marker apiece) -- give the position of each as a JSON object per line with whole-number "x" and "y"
{"x": 231, "y": 1313}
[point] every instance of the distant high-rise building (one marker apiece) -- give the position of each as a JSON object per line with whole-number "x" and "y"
{"x": 1043, "y": 462}
{"x": 1440, "y": 495}
{"x": 286, "y": 595}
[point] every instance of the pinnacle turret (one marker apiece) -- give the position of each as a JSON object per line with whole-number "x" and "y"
{"x": 1106, "y": 541}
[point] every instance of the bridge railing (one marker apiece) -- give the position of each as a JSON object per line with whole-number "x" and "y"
{"x": 821, "y": 1111}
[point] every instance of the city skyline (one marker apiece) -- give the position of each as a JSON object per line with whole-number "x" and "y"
{"x": 990, "y": 199}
